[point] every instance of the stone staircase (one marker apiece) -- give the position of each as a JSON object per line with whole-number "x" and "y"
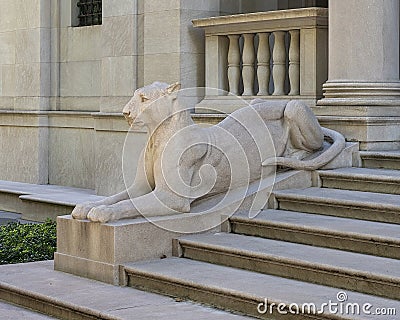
{"x": 337, "y": 242}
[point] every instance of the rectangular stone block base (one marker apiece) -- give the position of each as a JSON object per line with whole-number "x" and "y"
{"x": 96, "y": 251}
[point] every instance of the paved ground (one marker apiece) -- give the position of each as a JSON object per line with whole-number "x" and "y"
{"x": 7, "y": 217}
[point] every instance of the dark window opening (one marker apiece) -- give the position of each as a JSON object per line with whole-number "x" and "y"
{"x": 89, "y": 12}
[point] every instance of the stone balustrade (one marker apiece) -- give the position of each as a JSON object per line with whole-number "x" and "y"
{"x": 275, "y": 55}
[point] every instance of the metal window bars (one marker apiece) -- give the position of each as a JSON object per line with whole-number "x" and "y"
{"x": 89, "y": 12}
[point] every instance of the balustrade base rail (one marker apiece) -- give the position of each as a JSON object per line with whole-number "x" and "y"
{"x": 230, "y": 103}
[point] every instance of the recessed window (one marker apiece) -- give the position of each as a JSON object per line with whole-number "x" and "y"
{"x": 89, "y": 12}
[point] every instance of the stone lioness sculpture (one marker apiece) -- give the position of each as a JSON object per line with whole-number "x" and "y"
{"x": 171, "y": 166}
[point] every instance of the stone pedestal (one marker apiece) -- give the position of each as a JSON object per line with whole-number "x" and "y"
{"x": 362, "y": 95}
{"x": 96, "y": 251}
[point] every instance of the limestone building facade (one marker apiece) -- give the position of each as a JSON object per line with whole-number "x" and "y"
{"x": 63, "y": 85}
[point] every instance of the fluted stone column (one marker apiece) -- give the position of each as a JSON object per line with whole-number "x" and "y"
{"x": 362, "y": 94}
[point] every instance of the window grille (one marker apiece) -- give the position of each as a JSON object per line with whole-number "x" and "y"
{"x": 89, "y": 12}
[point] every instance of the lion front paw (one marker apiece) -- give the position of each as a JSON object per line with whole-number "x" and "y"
{"x": 102, "y": 214}
{"x": 81, "y": 211}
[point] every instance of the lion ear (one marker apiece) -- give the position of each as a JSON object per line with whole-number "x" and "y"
{"x": 173, "y": 87}
{"x": 143, "y": 98}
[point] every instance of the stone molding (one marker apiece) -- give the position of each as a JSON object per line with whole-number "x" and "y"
{"x": 293, "y": 18}
{"x": 361, "y": 93}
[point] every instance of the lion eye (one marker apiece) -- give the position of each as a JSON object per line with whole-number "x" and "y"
{"x": 143, "y": 98}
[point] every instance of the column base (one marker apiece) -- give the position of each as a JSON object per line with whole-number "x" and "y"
{"x": 372, "y": 133}
{"x": 366, "y": 112}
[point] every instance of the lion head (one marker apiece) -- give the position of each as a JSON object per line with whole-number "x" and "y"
{"x": 151, "y": 104}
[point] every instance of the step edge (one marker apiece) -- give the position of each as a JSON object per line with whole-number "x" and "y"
{"x": 360, "y": 177}
{"x": 320, "y": 231}
{"x": 379, "y": 155}
{"x": 174, "y": 279}
{"x": 335, "y": 201}
{"x": 52, "y": 302}
{"x": 34, "y": 198}
{"x": 349, "y": 272}
{"x": 217, "y": 290}
{"x": 14, "y": 192}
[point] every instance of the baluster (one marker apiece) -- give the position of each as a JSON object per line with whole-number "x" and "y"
{"x": 234, "y": 64}
{"x": 294, "y": 62}
{"x": 279, "y": 60}
{"x": 248, "y": 64}
{"x": 263, "y": 68}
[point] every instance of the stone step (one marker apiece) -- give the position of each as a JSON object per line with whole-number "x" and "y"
{"x": 380, "y": 159}
{"x": 346, "y": 270}
{"x": 11, "y": 312}
{"x": 38, "y": 287}
{"x": 362, "y": 179}
{"x": 246, "y": 291}
{"x": 39, "y": 202}
{"x": 341, "y": 203}
{"x": 375, "y": 238}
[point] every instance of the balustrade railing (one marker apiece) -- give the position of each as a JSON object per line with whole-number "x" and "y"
{"x": 274, "y": 55}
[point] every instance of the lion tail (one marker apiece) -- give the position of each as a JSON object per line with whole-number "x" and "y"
{"x": 327, "y": 156}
